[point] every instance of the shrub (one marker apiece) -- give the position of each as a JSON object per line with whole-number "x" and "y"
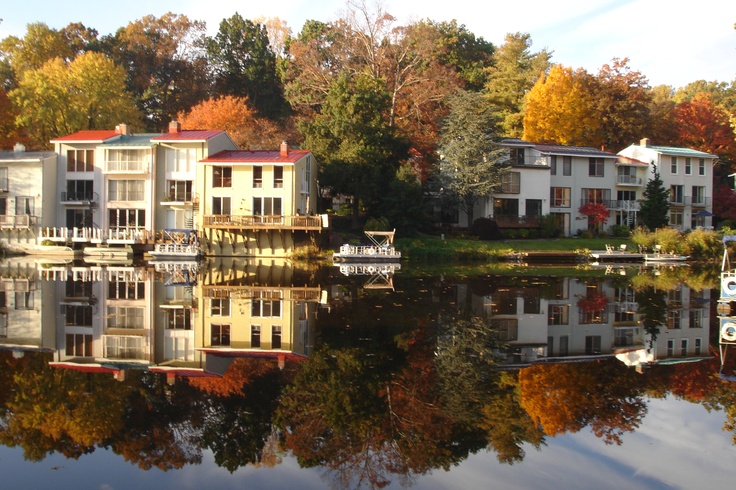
{"x": 511, "y": 234}
{"x": 533, "y": 233}
{"x": 549, "y": 228}
{"x": 586, "y": 234}
{"x": 523, "y": 233}
{"x": 621, "y": 231}
{"x": 704, "y": 244}
{"x": 485, "y": 229}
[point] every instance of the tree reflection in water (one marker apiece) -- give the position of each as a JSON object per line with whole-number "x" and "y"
{"x": 400, "y": 383}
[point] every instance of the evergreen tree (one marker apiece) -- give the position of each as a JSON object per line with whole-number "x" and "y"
{"x": 654, "y": 212}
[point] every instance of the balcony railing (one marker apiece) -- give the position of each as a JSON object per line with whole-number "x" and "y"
{"x": 263, "y": 222}
{"x": 606, "y": 202}
{"x": 17, "y": 221}
{"x": 127, "y": 166}
{"x": 179, "y": 197}
{"x": 75, "y": 197}
{"x": 628, "y": 180}
{"x": 700, "y": 202}
{"x": 625, "y": 205}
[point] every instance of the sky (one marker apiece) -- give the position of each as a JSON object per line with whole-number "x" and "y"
{"x": 670, "y": 42}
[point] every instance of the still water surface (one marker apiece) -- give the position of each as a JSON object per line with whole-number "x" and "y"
{"x": 265, "y": 374}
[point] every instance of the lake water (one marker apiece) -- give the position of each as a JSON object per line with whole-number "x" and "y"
{"x": 240, "y": 373}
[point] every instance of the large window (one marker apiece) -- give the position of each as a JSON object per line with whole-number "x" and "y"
{"x": 78, "y": 190}
{"x": 560, "y": 197}
{"x": 125, "y": 190}
{"x": 78, "y": 218}
{"x": 593, "y": 344}
{"x": 676, "y": 194}
{"x": 220, "y": 306}
{"x": 567, "y": 166}
{"x": 676, "y": 217}
{"x": 180, "y": 160}
{"x": 220, "y": 334}
{"x": 80, "y": 160}
{"x": 24, "y": 206}
{"x": 221, "y": 205}
{"x": 265, "y": 308}
{"x": 178, "y": 318}
{"x": 257, "y": 177}
{"x": 688, "y": 166}
{"x": 511, "y": 183}
{"x": 126, "y": 160}
{"x": 129, "y": 317}
{"x": 698, "y": 195}
{"x": 267, "y": 206}
{"x": 179, "y": 190}
{"x": 506, "y": 207}
{"x": 534, "y": 207}
{"x": 78, "y": 345}
{"x": 120, "y": 288}
{"x": 559, "y": 315}
{"x": 673, "y": 165}
{"x": 600, "y": 196}
{"x": 77, "y": 315}
{"x": 127, "y": 219}
{"x": 517, "y": 156}
{"x": 222, "y": 176}
{"x": 595, "y": 167}
{"x": 278, "y": 177}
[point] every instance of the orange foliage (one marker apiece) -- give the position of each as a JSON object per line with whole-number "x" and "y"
{"x": 241, "y": 372}
{"x": 9, "y": 133}
{"x": 234, "y": 115}
{"x": 705, "y": 126}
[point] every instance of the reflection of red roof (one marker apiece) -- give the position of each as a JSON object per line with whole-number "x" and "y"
{"x": 87, "y": 136}
{"x": 189, "y": 135}
{"x": 273, "y": 354}
{"x": 256, "y": 156}
{"x": 85, "y": 368}
{"x": 183, "y": 372}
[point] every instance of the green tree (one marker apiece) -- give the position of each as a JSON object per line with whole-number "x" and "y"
{"x": 61, "y": 98}
{"x": 514, "y": 72}
{"x": 358, "y": 151}
{"x": 655, "y": 207}
{"x": 244, "y": 65}
{"x": 470, "y": 155}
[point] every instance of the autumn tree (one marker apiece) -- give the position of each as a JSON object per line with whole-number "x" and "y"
{"x": 662, "y": 116}
{"x": 655, "y": 207}
{"x": 705, "y": 126}
{"x": 61, "y": 98}
{"x": 470, "y": 155}
{"x": 596, "y": 213}
{"x": 9, "y": 132}
{"x": 234, "y": 115}
{"x": 561, "y": 108}
{"x": 514, "y": 71}
{"x": 245, "y": 66}
{"x": 623, "y": 99}
{"x": 165, "y": 64}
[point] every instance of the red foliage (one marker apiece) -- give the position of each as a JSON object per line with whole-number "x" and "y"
{"x": 593, "y": 303}
{"x": 597, "y": 213}
{"x": 705, "y": 126}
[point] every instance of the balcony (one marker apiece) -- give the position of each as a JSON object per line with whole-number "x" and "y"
{"x": 258, "y": 222}
{"x": 179, "y": 198}
{"x": 606, "y": 202}
{"x": 629, "y": 180}
{"x": 625, "y": 205}
{"x": 87, "y": 198}
{"x": 699, "y": 201}
{"x": 17, "y": 221}
{"x": 127, "y": 167}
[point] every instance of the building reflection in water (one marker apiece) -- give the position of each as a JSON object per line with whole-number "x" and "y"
{"x": 167, "y": 317}
{"x": 186, "y": 320}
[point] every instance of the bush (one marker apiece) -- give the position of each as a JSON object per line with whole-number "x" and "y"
{"x": 704, "y": 244}
{"x": 586, "y": 234}
{"x": 511, "y": 234}
{"x": 549, "y": 228}
{"x": 523, "y": 233}
{"x": 485, "y": 229}
{"x": 533, "y": 233}
{"x": 621, "y": 231}
{"x": 377, "y": 224}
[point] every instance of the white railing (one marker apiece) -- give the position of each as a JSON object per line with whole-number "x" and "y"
{"x": 95, "y": 235}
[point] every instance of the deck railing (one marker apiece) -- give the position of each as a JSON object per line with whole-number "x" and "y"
{"x": 263, "y": 222}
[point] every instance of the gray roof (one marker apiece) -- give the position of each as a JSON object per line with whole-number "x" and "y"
{"x": 685, "y": 152}
{"x": 25, "y": 156}
{"x": 551, "y": 149}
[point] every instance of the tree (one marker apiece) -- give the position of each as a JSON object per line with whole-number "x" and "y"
{"x": 61, "y": 98}
{"x": 661, "y": 111}
{"x": 358, "y": 151}
{"x": 9, "y": 132}
{"x": 705, "y": 126}
{"x": 512, "y": 75}
{"x": 470, "y": 155}
{"x": 596, "y": 213}
{"x": 655, "y": 207}
{"x": 234, "y": 115}
{"x": 624, "y": 99}
{"x": 244, "y": 65}
{"x": 165, "y": 64}
{"x": 561, "y": 108}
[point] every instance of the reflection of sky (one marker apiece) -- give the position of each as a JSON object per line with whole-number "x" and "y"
{"x": 679, "y": 445}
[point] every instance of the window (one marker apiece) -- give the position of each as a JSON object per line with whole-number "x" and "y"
{"x": 275, "y": 336}
{"x": 559, "y": 315}
{"x": 267, "y": 206}
{"x": 126, "y": 160}
{"x": 623, "y": 316}
{"x": 601, "y": 196}
{"x": 24, "y": 300}
{"x": 507, "y": 328}
{"x": 77, "y": 315}
{"x": 128, "y": 317}
{"x": 120, "y": 288}
{"x": 178, "y": 348}
{"x": 278, "y": 177}
{"x": 129, "y": 347}
{"x": 673, "y": 165}
{"x": 595, "y": 167}
{"x": 180, "y": 160}
{"x": 78, "y": 289}
{"x": 220, "y": 334}
{"x": 78, "y": 190}
{"x": 222, "y": 176}
{"x": 564, "y": 340}
{"x": 24, "y": 206}
{"x": 676, "y": 194}
{"x": 560, "y": 197}
{"x": 78, "y": 218}
{"x": 125, "y": 190}
{"x": 567, "y": 166}
{"x": 550, "y": 346}
{"x": 698, "y": 346}
{"x": 78, "y": 345}
{"x": 676, "y": 219}
{"x": 623, "y": 337}
{"x": 673, "y": 319}
{"x": 3, "y": 206}
{"x": 127, "y": 219}
{"x": 517, "y": 156}
{"x": 701, "y": 167}
{"x": 178, "y": 318}
{"x": 593, "y": 344}
{"x": 511, "y": 182}
{"x": 683, "y": 347}
{"x": 696, "y": 318}
{"x": 553, "y": 164}
{"x": 4, "y": 179}
{"x": 307, "y": 175}
{"x": 625, "y": 196}
{"x": 257, "y": 177}
{"x": 255, "y": 335}
{"x": 221, "y": 205}
{"x": 220, "y": 306}
{"x": 534, "y": 207}
{"x": 698, "y": 195}
{"x": 266, "y": 308}
{"x": 80, "y": 160}
{"x": 688, "y": 166}
{"x": 670, "y": 347}
{"x": 179, "y": 190}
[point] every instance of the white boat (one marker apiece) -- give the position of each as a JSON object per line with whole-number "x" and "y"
{"x": 109, "y": 253}
{"x": 381, "y": 249}
{"x": 659, "y": 256}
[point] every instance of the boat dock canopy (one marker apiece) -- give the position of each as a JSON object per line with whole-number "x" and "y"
{"x": 381, "y": 238}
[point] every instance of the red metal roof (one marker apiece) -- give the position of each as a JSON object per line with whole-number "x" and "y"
{"x": 255, "y": 156}
{"x": 189, "y": 135}
{"x": 87, "y": 136}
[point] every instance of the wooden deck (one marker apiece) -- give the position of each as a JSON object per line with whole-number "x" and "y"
{"x": 250, "y": 222}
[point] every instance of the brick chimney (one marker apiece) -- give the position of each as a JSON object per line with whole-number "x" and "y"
{"x": 284, "y": 149}
{"x": 122, "y": 129}
{"x": 174, "y": 127}
{"x": 644, "y": 142}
